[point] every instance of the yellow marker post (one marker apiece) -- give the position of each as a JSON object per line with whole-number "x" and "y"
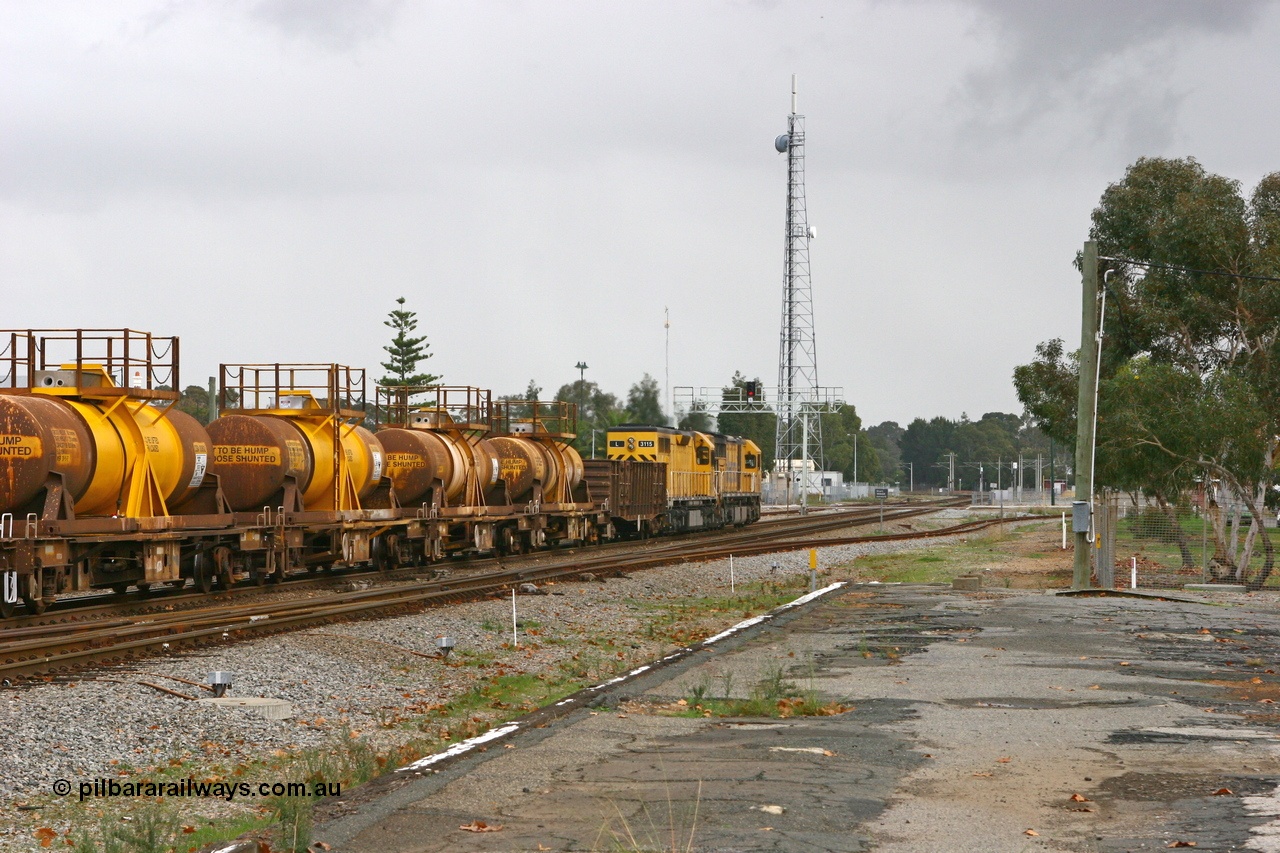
{"x": 813, "y": 569}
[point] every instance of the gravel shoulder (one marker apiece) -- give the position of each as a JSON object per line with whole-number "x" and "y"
{"x": 367, "y": 680}
{"x": 1004, "y": 720}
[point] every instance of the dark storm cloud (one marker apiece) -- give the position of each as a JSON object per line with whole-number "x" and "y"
{"x": 568, "y": 157}
{"x": 1091, "y": 71}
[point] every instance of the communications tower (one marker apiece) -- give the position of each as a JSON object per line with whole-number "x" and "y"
{"x": 798, "y": 450}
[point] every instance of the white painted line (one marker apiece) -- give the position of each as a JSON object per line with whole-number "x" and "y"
{"x": 621, "y": 678}
{"x": 460, "y": 748}
{"x": 756, "y": 620}
{"x": 503, "y": 731}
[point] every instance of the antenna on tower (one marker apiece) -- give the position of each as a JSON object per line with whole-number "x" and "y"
{"x": 798, "y": 450}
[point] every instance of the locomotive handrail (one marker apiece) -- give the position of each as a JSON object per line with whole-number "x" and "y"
{"x": 33, "y": 525}
{"x": 6, "y": 526}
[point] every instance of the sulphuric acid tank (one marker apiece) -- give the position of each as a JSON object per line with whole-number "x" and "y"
{"x": 418, "y": 457}
{"x": 523, "y": 461}
{"x": 255, "y": 456}
{"x": 100, "y": 449}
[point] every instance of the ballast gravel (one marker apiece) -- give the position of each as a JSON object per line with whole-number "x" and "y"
{"x": 358, "y": 678}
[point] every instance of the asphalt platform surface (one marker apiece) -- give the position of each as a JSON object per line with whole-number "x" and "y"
{"x": 997, "y": 720}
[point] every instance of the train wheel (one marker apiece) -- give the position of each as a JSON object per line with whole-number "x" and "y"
{"x": 379, "y": 554}
{"x": 508, "y": 541}
{"x": 202, "y": 571}
{"x": 119, "y": 588}
{"x": 222, "y": 566}
{"x": 144, "y": 588}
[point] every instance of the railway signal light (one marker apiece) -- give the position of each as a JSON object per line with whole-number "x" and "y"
{"x": 751, "y": 388}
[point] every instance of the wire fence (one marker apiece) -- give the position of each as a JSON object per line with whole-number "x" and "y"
{"x": 1165, "y": 546}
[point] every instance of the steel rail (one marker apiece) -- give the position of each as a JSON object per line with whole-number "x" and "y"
{"x": 32, "y": 655}
{"x": 71, "y": 612}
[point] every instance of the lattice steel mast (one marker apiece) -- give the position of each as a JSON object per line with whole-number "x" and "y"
{"x": 799, "y": 426}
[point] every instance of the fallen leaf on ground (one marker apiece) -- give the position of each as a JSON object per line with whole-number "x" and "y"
{"x": 1124, "y": 663}
{"x": 1079, "y": 798}
{"x": 1004, "y": 760}
{"x": 1095, "y": 686}
{"x": 480, "y": 826}
{"x": 1223, "y": 792}
{"x": 1030, "y": 832}
{"x": 770, "y": 809}
{"x": 1181, "y": 844}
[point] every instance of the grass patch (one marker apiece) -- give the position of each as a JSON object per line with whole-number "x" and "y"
{"x": 775, "y": 695}
{"x": 987, "y": 551}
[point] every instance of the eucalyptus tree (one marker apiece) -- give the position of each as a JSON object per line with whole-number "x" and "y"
{"x": 1190, "y": 368}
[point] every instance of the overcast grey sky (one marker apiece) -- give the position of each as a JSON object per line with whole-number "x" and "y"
{"x": 539, "y": 179}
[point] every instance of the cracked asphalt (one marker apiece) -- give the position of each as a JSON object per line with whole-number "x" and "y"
{"x": 991, "y": 721}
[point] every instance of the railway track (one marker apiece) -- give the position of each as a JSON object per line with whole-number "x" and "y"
{"x": 59, "y": 648}
{"x": 70, "y": 611}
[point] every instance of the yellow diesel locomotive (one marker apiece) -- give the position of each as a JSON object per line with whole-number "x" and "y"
{"x": 712, "y": 480}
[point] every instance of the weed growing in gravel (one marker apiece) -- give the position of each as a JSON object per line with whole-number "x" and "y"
{"x": 684, "y": 622}
{"x": 774, "y": 695}
{"x": 651, "y": 837}
{"x": 151, "y": 830}
{"x": 348, "y": 761}
{"x": 294, "y": 817}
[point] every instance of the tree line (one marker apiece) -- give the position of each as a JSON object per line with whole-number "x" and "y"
{"x": 1189, "y": 374}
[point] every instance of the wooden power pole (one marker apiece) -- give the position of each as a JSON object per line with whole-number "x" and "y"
{"x": 1086, "y": 420}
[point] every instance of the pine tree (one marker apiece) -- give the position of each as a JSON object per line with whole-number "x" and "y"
{"x": 405, "y": 351}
